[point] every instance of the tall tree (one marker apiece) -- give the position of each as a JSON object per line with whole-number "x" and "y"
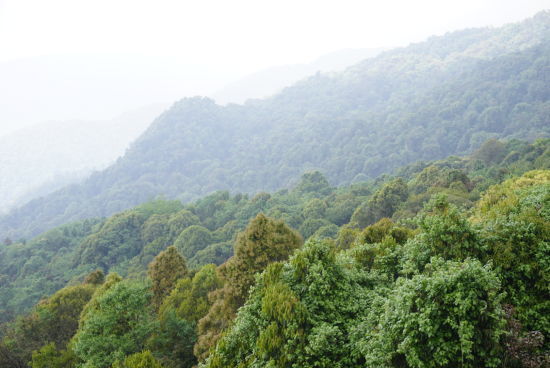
{"x": 165, "y": 270}
{"x": 264, "y": 241}
{"x": 117, "y": 323}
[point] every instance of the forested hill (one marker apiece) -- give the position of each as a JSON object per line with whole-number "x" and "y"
{"x": 438, "y": 260}
{"x": 433, "y": 99}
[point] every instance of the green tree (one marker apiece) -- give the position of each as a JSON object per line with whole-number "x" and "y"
{"x": 444, "y": 232}
{"x": 310, "y": 226}
{"x": 192, "y": 240}
{"x": 54, "y": 320}
{"x": 448, "y": 316}
{"x": 315, "y": 209}
{"x": 173, "y": 340}
{"x": 139, "y": 360}
{"x": 264, "y": 241}
{"x": 181, "y": 221}
{"x": 50, "y": 357}
{"x": 492, "y": 151}
{"x": 165, "y": 270}
{"x": 117, "y": 324}
{"x": 313, "y": 183}
{"x": 299, "y": 314}
{"x": 383, "y": 203}
{"x": 515, "y": 221}
{"x": 190, "y": 296}
{"x": 96, "y": 277}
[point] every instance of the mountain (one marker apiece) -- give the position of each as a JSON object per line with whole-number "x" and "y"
{"x": 270, "y": 81}
{"x": 38, "y": 160}
{"x": 355, "y": 253}
{"x": 96, "y": 86}
{"x": 204, "y": 230}
{"x": 441, "y": 97}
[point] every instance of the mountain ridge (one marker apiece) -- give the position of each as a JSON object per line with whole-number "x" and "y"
{"x": 402, "y": 106}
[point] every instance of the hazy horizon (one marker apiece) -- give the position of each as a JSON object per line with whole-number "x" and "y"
{"x": 70, "y": 60}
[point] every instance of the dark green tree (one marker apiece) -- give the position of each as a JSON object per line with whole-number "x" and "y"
{"x": 383, "y": 203}
{"x": 193, "y": 239}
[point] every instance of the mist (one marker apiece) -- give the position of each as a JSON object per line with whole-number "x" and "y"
{"x": 68, "y": 65}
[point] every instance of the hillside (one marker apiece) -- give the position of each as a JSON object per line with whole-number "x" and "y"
{"x": 38, "y": 160}
{"x": 205, "y": 229}
{"x": 434, "y": 246}
{"x": 441, "y": 97}
{"x": 267, "y": 82}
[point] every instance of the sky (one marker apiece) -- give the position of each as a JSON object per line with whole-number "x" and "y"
{"x": 203, "y": 44}
{"x": 242, "y": 34}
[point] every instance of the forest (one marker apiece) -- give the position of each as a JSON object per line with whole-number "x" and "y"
{"x": 393, "y": 214}
{"x": 444, "y": 96}
{"x": 446, "y": 261}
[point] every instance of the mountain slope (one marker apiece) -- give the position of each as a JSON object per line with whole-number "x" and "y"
{"x": 267, "y": 82}
{"x": 38, "y": 160}
{"x": 441, "y": 97}
{"x": 204, "y": 231}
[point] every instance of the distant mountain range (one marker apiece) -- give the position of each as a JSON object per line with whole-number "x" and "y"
{"x": 441, "y": 97}
{"x": 38, "y": 160}
{"x": 267, "y": 82}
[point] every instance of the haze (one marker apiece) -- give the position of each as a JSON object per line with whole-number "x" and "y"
{"x": 93, "y": 60}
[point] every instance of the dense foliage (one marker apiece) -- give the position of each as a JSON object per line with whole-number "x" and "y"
{"x": 204, "y": 231}
{"x": 444, "y": 96}
{"x": 444, "y": 307}
{"x": 442, "y": 264}
{"x": 461, "y": 280}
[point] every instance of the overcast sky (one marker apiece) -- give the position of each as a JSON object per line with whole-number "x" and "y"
{"x": 238, "y": 34}
{"x": 217, "y": 41}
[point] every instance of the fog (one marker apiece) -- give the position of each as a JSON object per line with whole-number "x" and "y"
{"x": 73, "y": 59}
{"x": 87, "y": 62}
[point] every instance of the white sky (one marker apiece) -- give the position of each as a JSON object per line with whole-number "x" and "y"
{"x": 194, "y": 47}
{"x": 243, "y": 35}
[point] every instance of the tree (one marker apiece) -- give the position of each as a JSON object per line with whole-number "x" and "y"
{"x": 139, "y": 360}
{"x": 313, "y": 182}
{"x": 190, "y": 296}
{"x": 49, "y": 357}
{"x": 446, "y": 317}
{"x": 315, "y": 209}
{"x": 492, "y": 151}
{"x": 181, "y": 221}
{"x": 264, "y": 241}
{"x": 118, "y": 323}
{"x": 515, "y": 221}
{"x": 299, "y": 314}
{"x": 383, "y": 203}
{"x": 187, "y": 303}
{"x": 375, "y": 233}
{"x": 165, "y": 270}
{"x": 54, "y": 320}
{"x": 96, "y": 277}
{"x": 173, "y": 340}
{"x": 444, "y": 232}
{"x": 193, "y": 239}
